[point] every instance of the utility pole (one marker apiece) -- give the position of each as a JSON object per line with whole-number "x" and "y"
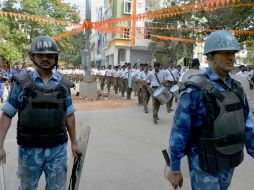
{"x": 87, "y": 52}
{"x": 88, "y": 87}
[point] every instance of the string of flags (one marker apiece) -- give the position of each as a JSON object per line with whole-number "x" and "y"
{"x": 38, "y": 19}
{"x": 111, "y": 26}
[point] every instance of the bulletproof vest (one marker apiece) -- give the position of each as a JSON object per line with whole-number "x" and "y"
{"x": 41, "y": 118}
{"x": 221, "y": 138}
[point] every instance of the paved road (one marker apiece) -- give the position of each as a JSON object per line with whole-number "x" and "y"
{"x": 124, "y": 152}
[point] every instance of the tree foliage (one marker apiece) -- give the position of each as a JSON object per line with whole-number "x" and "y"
{"x": 233, "y": 18}
{"x": 18, "y": 34}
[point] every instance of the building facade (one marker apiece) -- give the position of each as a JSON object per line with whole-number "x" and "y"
{"x": 123, "y": 46}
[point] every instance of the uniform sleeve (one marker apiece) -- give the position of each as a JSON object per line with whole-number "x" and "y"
{"x": 14, "y": 100}
{"x": 189, "y": 113}
{"x": 249, "y": 131}
{"x": 180, "y": 131}
{"x": 70, "y": 107}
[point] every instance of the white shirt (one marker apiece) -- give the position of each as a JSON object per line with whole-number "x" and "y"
{"x": 151, "y": 78}
{"x": 109, "y": 72}
{"x": 242, "y": 74}
{"x": 143, "y": 75}
{"x": 102, "y": 72}
{"x": 136, "y": 73}
{"x": 116, "y": 73}
{"x": 94, "y": 71}
{"x": 250, "y": 74}
{"x": 120, "y": 72}
{"x": 129, "y": 73}
{"x": 171, "y": 74}
{"x": 123, "y": 73}
{"x": 179, "y": 74}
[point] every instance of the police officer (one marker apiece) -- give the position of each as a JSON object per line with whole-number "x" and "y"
{"x": 43, "y": 101}
{"x": 212, "y": 122}
{"x": 17, "y": 70}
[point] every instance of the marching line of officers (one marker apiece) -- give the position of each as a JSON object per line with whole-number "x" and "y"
{"x": 143, "y": 80}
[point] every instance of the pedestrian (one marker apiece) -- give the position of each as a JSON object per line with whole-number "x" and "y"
{"x": 195, "y": 64}
{"x": 4, "y": 77}
{"x": 128, "y": 76}
{"x": 102, "y": 74}
{"x": 156, "y": 79}
{"x": 94, "y": 73}
{"x": 136, "y": 79}
{"x": 45, "y": 114}
{"x": 242, "y": 72}
{"x": 116, "y": 79}
{"x": 179, "y": 72}
{"x": 135, "y": 83}
{"x": 109, "y": 77}
{"x": 123, "y": 80}
{"x": 212, "y": 122}
{"x": 171, "y": 76}
{"x": 145, "y": 87}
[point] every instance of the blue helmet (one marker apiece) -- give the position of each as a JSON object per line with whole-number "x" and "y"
{"x": 221, "y": 41}
{"x": 44, "y": 45}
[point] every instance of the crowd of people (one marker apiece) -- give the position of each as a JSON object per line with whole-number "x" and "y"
{"x": 141, "y": 80}
{"x": 211, "y": 126}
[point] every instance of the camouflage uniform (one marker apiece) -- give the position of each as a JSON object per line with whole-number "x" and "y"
{"x": 190, "y": 113}
{"x": 34, "y": 161}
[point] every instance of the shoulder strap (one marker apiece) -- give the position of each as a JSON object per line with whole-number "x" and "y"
{"x": 157, "y": 78}
{"x": 200, "y": 81}
{"x": 172, "y": 74}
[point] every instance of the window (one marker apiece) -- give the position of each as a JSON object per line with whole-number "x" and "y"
{"x": 146, "y": 31}
{"x": 126, "y": 33}
{"x": 147, "y": 35}
{"x": 127, "y": 7}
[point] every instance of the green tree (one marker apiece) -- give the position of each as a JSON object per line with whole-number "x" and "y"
{"x": 232, "y": 18}
{"x": 172, "y": 50}
{"x": 21, "y": 32}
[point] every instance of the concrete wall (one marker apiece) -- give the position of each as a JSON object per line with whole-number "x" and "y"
{"x": 140, "y": 56}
